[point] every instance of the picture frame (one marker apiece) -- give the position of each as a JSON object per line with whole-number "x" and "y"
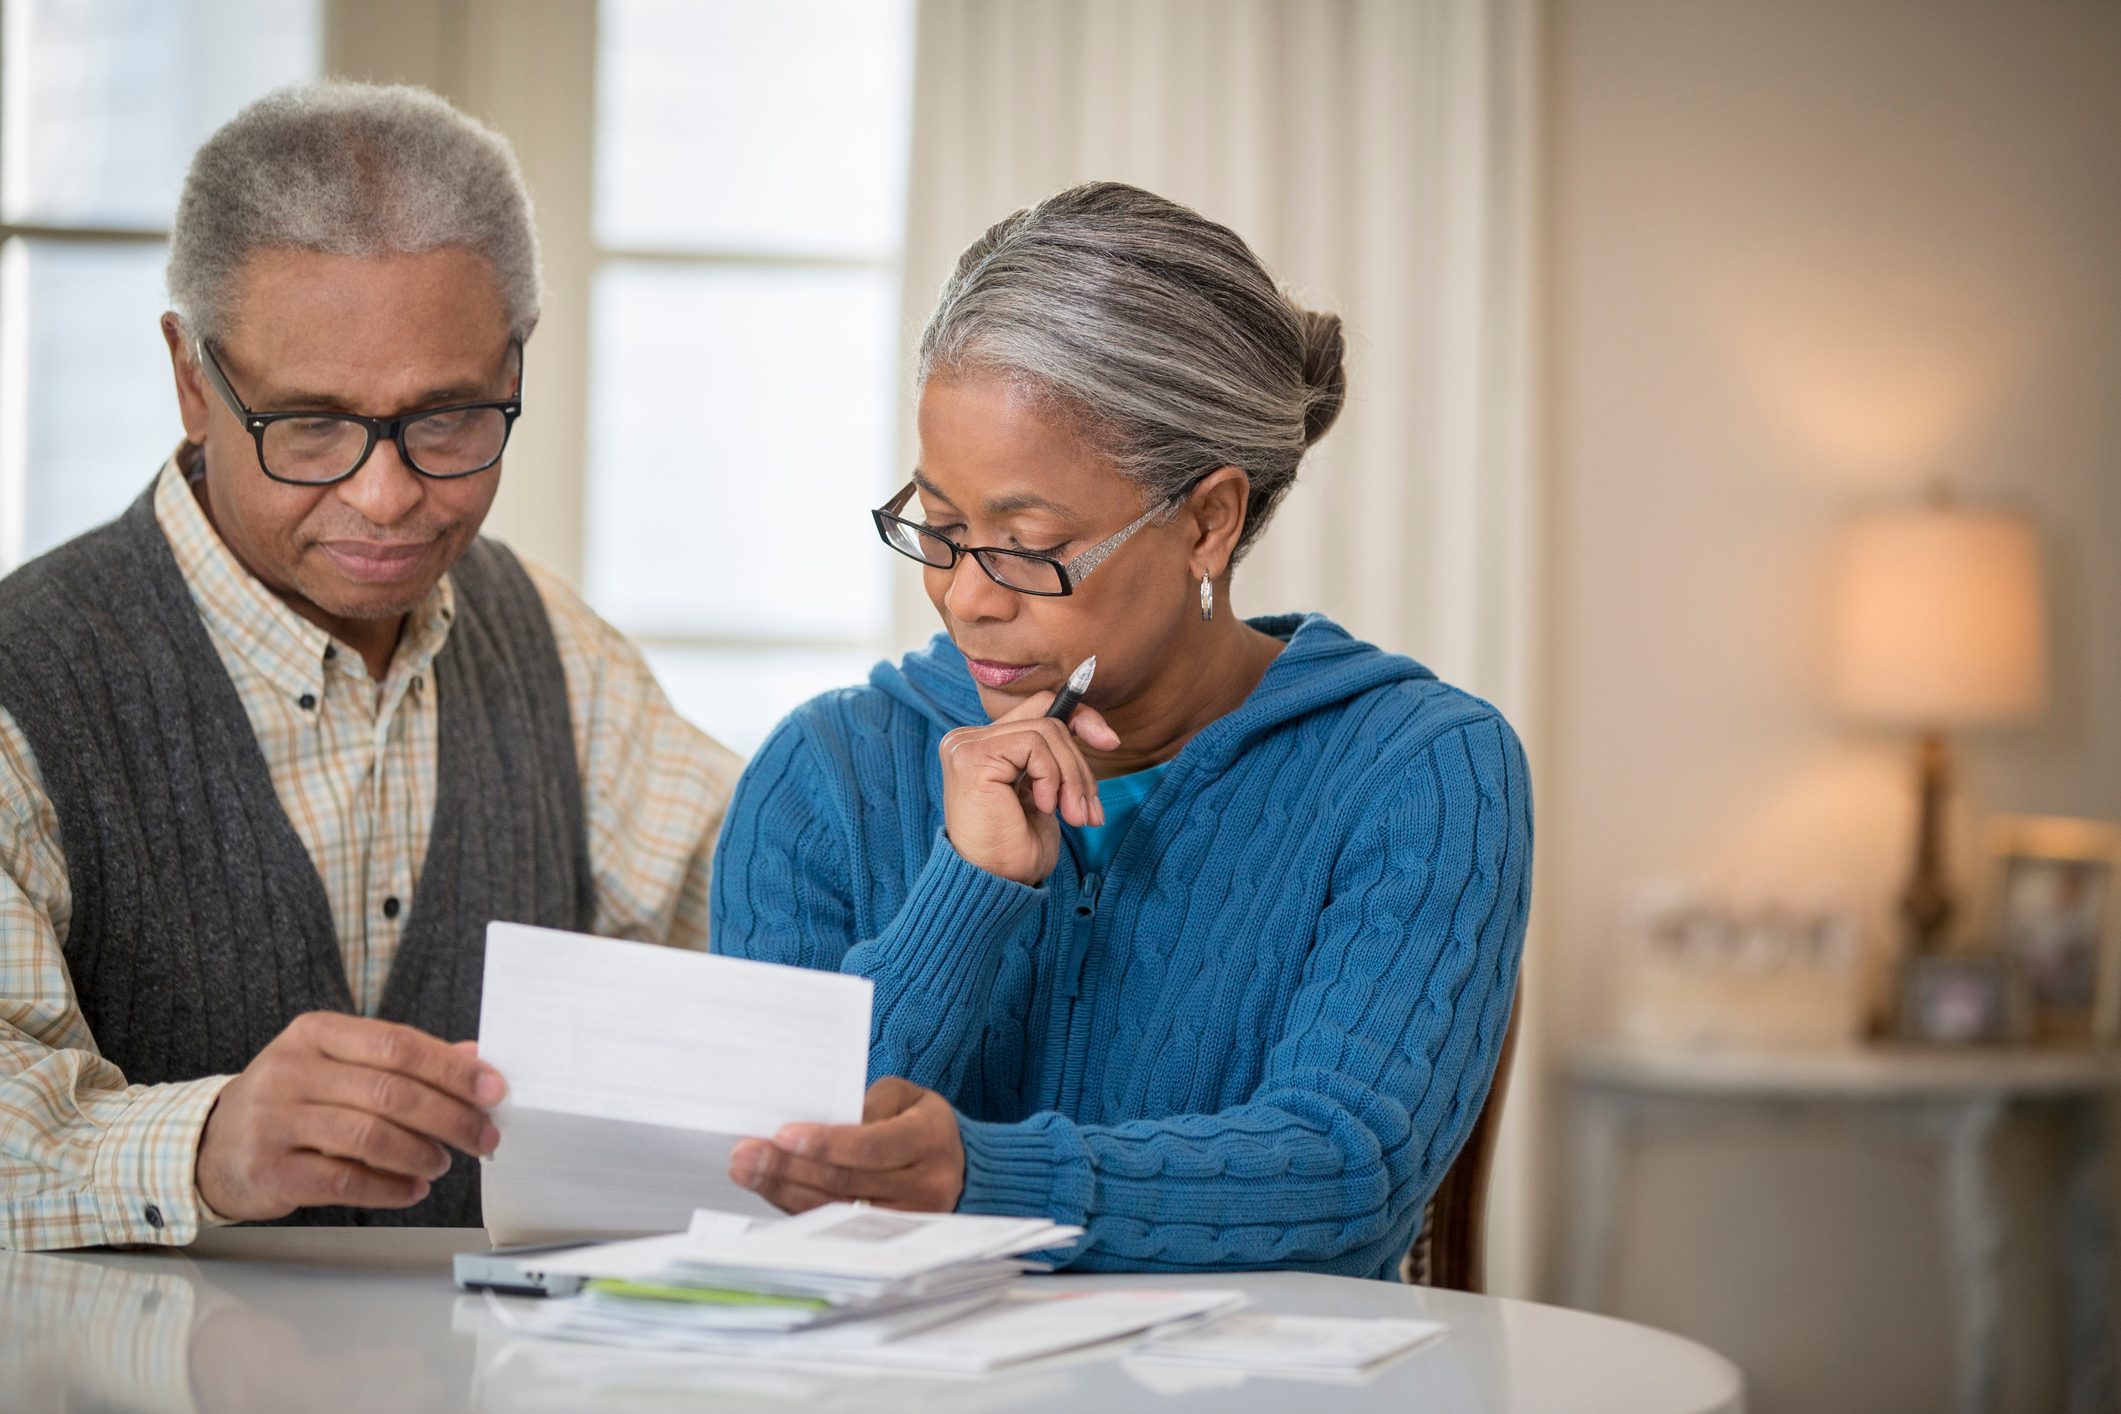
{"x": 1958, "y": 999}
{"x": 2053, "y": 913}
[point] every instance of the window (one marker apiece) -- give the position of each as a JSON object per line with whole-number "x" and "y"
{"x": 745, "y": 331}
{"x": 744, "y": 384}
{"x": 101, "y": 104}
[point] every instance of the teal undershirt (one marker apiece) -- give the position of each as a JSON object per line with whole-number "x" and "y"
{"x": 1122, "y": 797}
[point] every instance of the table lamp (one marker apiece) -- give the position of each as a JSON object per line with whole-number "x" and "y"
{"x": 1938, "y": 626}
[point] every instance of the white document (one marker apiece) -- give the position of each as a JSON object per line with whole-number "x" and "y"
{"x": 836, "y": 1245}
{"x": 633, "y": 1070}
{"x": 1025, "y": 1327}
{"x": 986, "y": 1336}
{"x": 856, "y": 1242}
{"x": 1268, "y": 1344}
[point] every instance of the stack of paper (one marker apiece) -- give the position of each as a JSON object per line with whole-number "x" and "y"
{"x": 845, "y": 1284}
{"x": 1308, "y": 1347}
{"x": 839, "y": 1263}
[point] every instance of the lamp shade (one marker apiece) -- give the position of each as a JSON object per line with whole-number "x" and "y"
{"x": 1938, "y": 619}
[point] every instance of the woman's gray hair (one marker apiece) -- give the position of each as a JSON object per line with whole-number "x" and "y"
{"x": 349, "y": 169}
{"x": 1153, "y": 329}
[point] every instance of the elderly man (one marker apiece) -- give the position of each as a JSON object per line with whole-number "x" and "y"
{"x": 277, "y": 743}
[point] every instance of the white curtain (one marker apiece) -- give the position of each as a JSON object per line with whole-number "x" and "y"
{"x": 1375, "y": 153}
{"x": 1378, "y": 154}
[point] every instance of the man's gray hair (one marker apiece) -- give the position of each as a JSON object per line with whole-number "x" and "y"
{"x": 349, "y": 169}
{"x": 1154, "y": 330}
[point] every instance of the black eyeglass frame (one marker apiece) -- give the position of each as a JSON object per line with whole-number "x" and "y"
{"x": 1071, "y": 572}
{"x": 377, "y": 428}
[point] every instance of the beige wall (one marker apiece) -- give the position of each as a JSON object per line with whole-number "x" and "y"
{"x": 1804, "y": 257}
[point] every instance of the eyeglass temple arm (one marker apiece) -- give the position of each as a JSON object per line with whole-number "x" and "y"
{"x": 1091, "y": 558}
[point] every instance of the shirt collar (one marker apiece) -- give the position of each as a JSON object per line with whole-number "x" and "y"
{"x": 283, "y": 647}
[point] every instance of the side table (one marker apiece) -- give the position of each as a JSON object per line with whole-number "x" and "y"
{"x": 1951, "y": 1100}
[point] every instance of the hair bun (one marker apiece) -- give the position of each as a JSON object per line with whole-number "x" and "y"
{"x": 1325, "y": 378}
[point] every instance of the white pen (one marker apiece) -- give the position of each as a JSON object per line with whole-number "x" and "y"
{"x": 1071, "y": 694}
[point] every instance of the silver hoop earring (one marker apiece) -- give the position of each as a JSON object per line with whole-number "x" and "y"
{"x": 1207, "y": 599}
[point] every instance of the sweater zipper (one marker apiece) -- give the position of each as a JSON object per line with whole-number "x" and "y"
{"x": 1085, "y": 919}
{"x": 1075, "y": 1014}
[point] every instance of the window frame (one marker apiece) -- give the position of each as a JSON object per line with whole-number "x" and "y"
{"x": 530, "y": 74}
{"x": 14, "y": 239}
{"x": 889, "y": 264}
{"x": 14, "y": 372}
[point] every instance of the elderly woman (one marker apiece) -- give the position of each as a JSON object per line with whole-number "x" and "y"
{"x": 1218, "y": 968}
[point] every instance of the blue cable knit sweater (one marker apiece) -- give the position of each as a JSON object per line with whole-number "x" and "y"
{"x": 1260, "y": 1039}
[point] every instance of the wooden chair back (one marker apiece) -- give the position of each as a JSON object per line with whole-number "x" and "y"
{"x": 1450, "y": 1250}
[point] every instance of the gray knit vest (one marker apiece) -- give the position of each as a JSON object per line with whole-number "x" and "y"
{"x": 200, "y": 928}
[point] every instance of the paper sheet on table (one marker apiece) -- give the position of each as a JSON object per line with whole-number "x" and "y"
{"x": 1026, "y": 1325}
{"x": 1273, "y": 1344}
{"x": 632, "y": 1070}
{"x": 837, "y": 1245}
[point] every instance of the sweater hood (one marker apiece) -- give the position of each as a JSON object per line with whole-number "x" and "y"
{"x": 1322, "y": 666}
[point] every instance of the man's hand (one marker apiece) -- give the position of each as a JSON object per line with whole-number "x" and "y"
{"x": 344, "y": 1110}
{"x": 906, "y": 1153}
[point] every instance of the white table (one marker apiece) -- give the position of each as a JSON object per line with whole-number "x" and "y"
{"x": 333, "y": 1319}
{"x": 1949, "y": 1100}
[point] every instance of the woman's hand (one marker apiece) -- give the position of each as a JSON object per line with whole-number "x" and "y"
{"x": 906, "y": 1153}
{"x": 1010, "y": 830}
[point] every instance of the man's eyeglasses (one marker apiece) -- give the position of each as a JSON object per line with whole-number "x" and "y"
{"x": 319, "y": 448}
{"x": 1020, "y": 570}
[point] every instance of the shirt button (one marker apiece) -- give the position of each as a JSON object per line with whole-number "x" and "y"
{"x": 390, "y": 906}
{"x": 153, "y": 1215}
{"x": 419, "y": 681}
{"x": 307, "y": 701}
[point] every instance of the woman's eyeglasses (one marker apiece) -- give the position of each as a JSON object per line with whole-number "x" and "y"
{"x": 1020, "y": 570}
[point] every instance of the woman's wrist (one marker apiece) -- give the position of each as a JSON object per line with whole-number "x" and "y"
{"x": 1028, "y": 878}
{"x": 951, "y": 902}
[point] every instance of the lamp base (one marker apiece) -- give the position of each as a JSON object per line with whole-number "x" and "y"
{"x": 1928, "y": 905}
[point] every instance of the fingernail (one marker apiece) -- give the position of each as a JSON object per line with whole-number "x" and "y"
{"x": 746, "y": 1162}
{"x": 489, "y": 1139}
{"x": 490, "y": 1087}
{"x": 419, "y": 1189}
{"x": 796, "y": 1139}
